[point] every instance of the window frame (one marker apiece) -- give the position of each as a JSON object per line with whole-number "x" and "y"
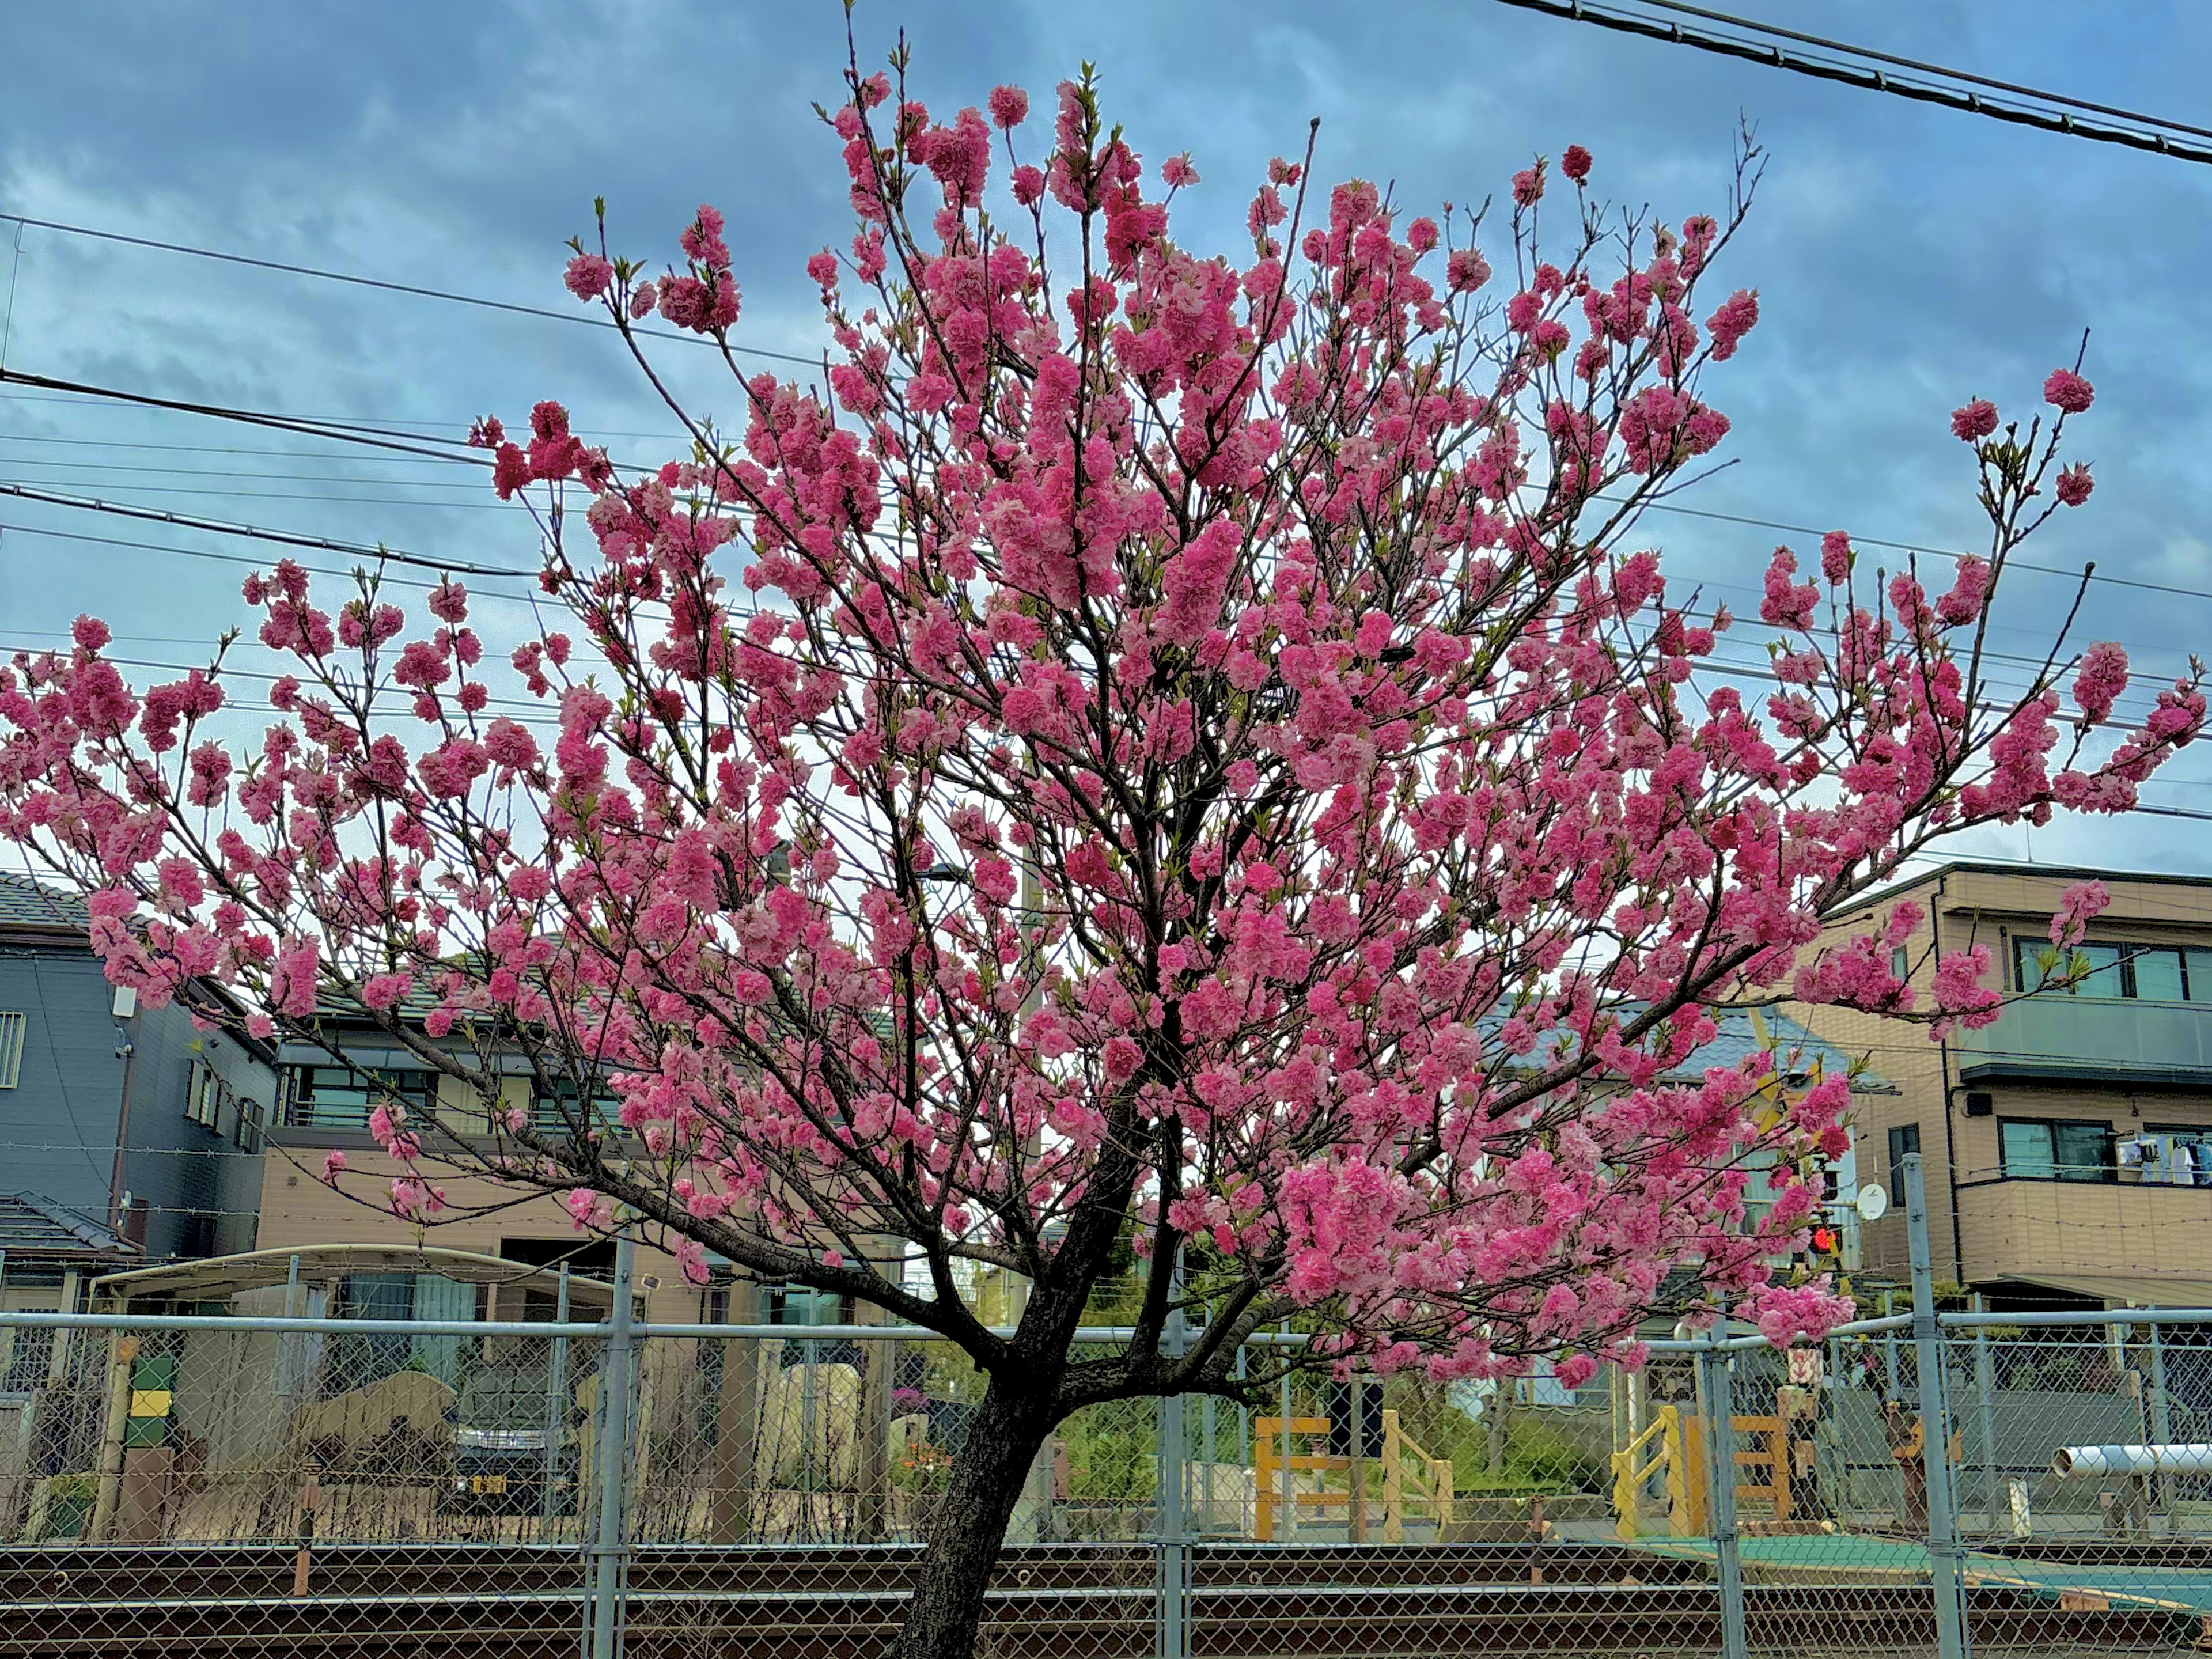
{"x": 1899, "y": 1134}
{"x": 15, "y": 1032}
{"x": 411, "y": 1087}
{"x": 2025, "y": 949}
{"x": 206, "y": 1096}
{"x": 547, "y": 1107}
{"x": 2104, "y": 1172}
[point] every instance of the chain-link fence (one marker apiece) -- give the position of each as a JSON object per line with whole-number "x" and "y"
{"x": 195, "y": 1484}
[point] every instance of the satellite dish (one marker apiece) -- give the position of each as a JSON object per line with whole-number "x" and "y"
{"x": 1872, "y": 1203}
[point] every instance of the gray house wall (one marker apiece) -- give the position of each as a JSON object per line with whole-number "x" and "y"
{"x": 57, "y": 1125}
{"x": 182, "y": 1170}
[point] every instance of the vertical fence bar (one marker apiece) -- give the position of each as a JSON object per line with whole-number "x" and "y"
{"x": 1986, "y": 1412}
{"x": 1888, "y": 1349}
{"x": 2161, "y": 1415}
{"x": 557, "y": 1387}
{"x": 612, "y": 1457}
{"x": 1289, "y": 1526}
{"x": 1171, "y": 1531}
{"x": 1720, "y": 1490}
{"x": 1935, "y": 1424}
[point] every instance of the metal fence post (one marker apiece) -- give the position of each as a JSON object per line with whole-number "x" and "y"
{"x": 1935, "y": 1424}
{"x": 1287, "y": 1528}
{"x": 2161, "y": 1413}
{"x": 1172, "y": 1531}
{"x": 1985, "y": 1411}
{"x": 556, "y": 1414}
{"x": 612, "y": 1456}
{"x": 1720, "y": 1490}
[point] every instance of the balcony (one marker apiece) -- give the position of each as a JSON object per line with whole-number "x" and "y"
{"x": 2042, "y": 1230}
{"x": 2120, "y": 1041}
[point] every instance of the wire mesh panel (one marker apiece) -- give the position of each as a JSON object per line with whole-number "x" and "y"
{"x": 2085, "y": 1478}
{"x": 422, "y": 1488}
{"x": 178, "y": 1491}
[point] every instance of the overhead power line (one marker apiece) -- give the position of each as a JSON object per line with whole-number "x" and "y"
{"x": 419, "y": 293}
{"x": 286, "y": 537}
{"x": 474, "y": 486}
{"x": 375, "y": 437}
{"x": 1858, "y": 540}
{"x": 209, "y": 554}
{"x": 1779, "y": 33}
{"x": 1927, "y": 83}
{"x": 327, "y": 497}
{"x": 209, "y": 449}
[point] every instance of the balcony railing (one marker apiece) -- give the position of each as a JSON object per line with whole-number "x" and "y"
{"x": 2131, "y": 1229}
{"x": 2058, "y": 1036}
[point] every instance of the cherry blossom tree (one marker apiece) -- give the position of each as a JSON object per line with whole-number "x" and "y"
{"x": 1154, "y": 750}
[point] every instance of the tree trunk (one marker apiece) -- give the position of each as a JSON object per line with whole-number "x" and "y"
{"x": 969, "y": 1524}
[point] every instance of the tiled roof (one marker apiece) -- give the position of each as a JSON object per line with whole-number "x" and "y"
{"x": 1796, "y": 1049}
{"x": 27, "y": 903}
{"x": 32, "y": 1228}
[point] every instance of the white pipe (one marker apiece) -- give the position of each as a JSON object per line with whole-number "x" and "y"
{"x": 2190, "y": 1459}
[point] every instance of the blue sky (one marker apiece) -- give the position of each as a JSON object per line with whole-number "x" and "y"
{"x": 1906, "y": 257}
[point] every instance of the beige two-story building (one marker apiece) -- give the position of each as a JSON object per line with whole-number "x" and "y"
{"x": 2068, "y": 1146}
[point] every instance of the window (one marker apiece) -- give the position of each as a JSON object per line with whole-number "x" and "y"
{"x": 798, "y": 1304}
{"x": 250, "y": 1120}
{"x": 1900, "y": 964}
{"x": 2038, "y": 1149}
{"x": 1904, "y": 1137}
{"x": 206, "y": 1096}
{"x": 555, "y": 1113}
{"x": 341, "y": 1098}
{"x": 2146, "y": 973}
{"x": 11, "y": 1049}
{"x": 30, "y": 1357}
{"x": 2158, "y": 975}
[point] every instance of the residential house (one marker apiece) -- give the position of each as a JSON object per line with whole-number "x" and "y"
{"x": 129, "y": 1134}
{"x": 324, "y": 1105}
{"x": 2067, "y": 1147}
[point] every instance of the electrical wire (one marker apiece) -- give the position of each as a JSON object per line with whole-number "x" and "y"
{"x": 375, "y": 437}
{"x": 1779, "y": 33}
{"x": 244, "y": 559}
{"x": 160, "y": 515}
{"x": 419, "y": 293}
{"x": 2149, "y": 133}
{"x": 298, "y": 496}
{"x": 532, "y": 712}
{"x": 338, "y": 421}
{"x": 2011, "y": 563}
{"x": 211, "y": 449}
{"x": 473, "y": 485}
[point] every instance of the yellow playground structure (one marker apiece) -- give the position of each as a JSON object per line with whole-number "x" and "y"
{"x": 1672, "y": 1446}
{"x": 1416, "y": 1487}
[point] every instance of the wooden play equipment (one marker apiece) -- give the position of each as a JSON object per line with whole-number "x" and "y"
{"x": 1415, "y": 1484}
{"x": 1675, "y": 1445}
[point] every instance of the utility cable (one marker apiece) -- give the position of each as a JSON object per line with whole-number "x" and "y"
{"x": 1779, "y": 33}
{"x": 2150, "y": 134}
{"x": 324, "y": 543}
{"x": 376, "y": 437}
{"x": 511, "y": 594}
{"x": 399, "y": 288}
